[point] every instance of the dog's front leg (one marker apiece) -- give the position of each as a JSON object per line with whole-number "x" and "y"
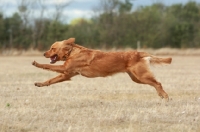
{"x": 59, "y": 78}
{"x": 56, "y": 68}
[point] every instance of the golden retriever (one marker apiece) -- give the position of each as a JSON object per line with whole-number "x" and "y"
{"x": 79, "y": 60}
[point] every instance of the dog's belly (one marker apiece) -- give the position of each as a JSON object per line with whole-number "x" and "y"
{"x": 92, "y": 74}
{"x": 101, "y": 71}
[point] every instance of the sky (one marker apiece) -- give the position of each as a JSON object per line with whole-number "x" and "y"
{"x": 76, "y": 8}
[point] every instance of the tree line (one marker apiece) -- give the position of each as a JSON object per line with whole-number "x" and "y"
{"x": 114, "y": 24}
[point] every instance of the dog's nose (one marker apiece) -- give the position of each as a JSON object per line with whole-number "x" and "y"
{"x": 44, "y": 54}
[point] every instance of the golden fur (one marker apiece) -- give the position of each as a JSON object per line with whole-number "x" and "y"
{"x": 91, "y": 63}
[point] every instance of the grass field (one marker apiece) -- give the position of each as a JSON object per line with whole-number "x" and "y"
{"x": 112, "y": 104}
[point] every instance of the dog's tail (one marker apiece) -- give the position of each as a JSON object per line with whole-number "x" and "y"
{"x": 155, "y": 60}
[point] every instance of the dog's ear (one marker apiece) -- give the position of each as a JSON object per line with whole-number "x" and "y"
{"x": 69, "y": 41}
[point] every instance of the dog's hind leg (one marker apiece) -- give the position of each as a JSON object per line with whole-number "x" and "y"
{"x": 141, "y": 74}
{"x": 133, "y": 77}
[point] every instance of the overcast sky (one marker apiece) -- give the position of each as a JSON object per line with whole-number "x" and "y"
{"x": 80, "y": 8}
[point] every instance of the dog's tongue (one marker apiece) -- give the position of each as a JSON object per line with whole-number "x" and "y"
{"x": 53, "y": 59}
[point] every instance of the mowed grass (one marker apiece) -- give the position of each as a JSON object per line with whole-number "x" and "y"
{"x": 111, "y": 104}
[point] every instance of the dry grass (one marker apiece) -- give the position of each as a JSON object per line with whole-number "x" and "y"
{"x": 101, "y": 104}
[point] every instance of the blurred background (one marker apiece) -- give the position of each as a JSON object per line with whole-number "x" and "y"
{"x": 36, "y": 24}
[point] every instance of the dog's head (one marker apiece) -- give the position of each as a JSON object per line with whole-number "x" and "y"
{"x": 60, "y": 50}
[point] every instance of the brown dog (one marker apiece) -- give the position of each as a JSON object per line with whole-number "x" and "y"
{"x": 79, "y": 60}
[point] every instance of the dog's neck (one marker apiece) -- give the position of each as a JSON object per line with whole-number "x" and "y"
{"x": 78, "y": 46}
{"x": 76, "y": 49}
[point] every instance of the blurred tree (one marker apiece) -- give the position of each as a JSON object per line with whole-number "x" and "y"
{"x": 2, "y": 31}
{"x": 85, "y": 32}
{"x": 182, "y": 30}
{"x": 14, "y": 25}
{"x": 114, "y": 25}
{"x": 39, "y": 24}
{"x": 125, "y": 6}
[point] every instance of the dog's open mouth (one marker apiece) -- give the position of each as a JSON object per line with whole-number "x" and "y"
{"x": 53, "y": 59}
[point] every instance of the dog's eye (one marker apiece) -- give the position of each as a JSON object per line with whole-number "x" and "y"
{"x": 53, "y": 49}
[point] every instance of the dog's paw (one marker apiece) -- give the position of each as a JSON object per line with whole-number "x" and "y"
{"x": 38, "y": 84}
{"x": 34, "y": 63}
